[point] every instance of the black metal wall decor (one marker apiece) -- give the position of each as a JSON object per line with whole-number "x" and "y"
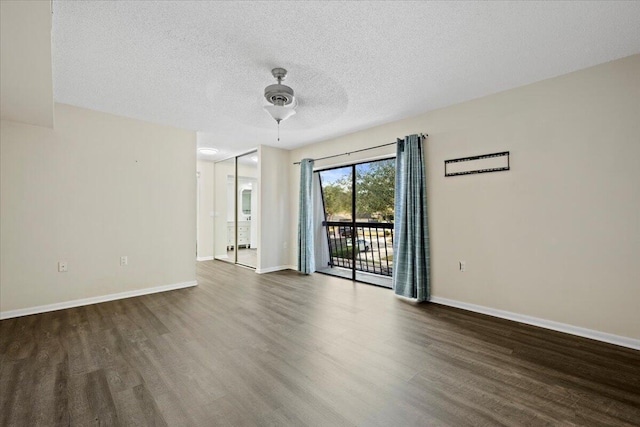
{"x": 493, "y": 162}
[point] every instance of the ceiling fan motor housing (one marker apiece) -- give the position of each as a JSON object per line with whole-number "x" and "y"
{"x": 279, "y": 94}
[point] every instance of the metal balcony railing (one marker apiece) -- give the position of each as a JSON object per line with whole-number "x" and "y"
{"x": 369, "y": 248}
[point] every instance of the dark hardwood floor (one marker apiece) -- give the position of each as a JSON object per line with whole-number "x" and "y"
{"x": 284, "y": 349}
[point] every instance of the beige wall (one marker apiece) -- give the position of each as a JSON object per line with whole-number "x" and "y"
{"x": 275, "y": 218}
{"x": 205, "y": 209}
{"x": 26, "y": 74}
{"x": 558, "y": 236}
{"x": 95, "y": 188}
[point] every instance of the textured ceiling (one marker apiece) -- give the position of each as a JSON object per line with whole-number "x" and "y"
{"x": 203, "y": 65}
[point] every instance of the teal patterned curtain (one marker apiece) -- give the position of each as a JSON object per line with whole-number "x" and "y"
{"x": 411, "y": 232}
{"x": 306, "y": 257}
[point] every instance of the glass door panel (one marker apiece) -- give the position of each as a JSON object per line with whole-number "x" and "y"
{"x": 375, "y": 197}
{"x": 337, "y": 196}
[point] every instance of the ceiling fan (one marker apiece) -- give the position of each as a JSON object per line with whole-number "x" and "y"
{"x": 281, "y": 99}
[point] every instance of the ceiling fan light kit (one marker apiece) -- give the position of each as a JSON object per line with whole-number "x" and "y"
{"x": 280, "y": 113}
{"x": 281, "y": 98}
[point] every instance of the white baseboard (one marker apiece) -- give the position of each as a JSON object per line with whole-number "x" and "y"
{"x": 272, "y": 269}
{"x": 93, "y": 300}
{"x": 543, "y": 323}
{"x": 204, "y": 258}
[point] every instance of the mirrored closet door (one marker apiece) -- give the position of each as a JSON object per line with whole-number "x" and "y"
{"x": 236, "y": 210}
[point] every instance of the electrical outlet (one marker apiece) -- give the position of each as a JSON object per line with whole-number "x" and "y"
{"x": 124, "y": 260}
{"x": 463, "y": 266}
{"x": 62, "y": 266}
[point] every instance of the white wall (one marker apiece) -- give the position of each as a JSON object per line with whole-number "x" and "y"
{"x": 275, "y": 219}
{"x": 95, "y": 188}
{"x": 558, "y": 236}
{"x": 205, "y": 209}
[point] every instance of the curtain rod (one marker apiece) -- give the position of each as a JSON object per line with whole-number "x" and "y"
{"x": 348, "y": 153}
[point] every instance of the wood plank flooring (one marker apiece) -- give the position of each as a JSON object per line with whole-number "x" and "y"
{"x": 283, "y": 349}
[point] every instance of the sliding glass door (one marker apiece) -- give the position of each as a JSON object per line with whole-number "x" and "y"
{"x": 358, "y": 205}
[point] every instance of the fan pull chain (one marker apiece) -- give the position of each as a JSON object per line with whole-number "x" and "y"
{"x": 278, "y": 130}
